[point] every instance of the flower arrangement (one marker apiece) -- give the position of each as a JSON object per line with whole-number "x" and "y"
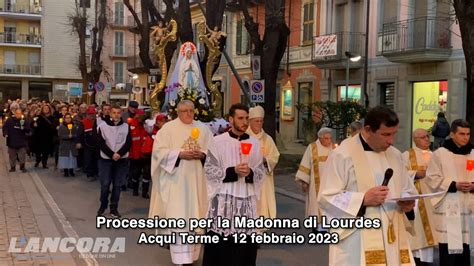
{"x": 202, "y": 111}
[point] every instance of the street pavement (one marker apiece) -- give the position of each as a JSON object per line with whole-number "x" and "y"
{"x": 42, "y": 203}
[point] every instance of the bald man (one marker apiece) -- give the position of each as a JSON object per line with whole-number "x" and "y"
{"x": 416, "y": 161}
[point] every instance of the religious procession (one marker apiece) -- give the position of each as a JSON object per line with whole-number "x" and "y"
{"x": 233, "y": 137}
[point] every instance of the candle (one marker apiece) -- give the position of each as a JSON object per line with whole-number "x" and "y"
{"x": 69, "y": 126}
{"x": 60, "y": 120}
{"x": 470, "y": 165}
{"x": 195, "y": 133}
{"x": 245, "y": 150}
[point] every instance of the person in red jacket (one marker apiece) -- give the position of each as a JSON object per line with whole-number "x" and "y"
{"x": 147, "y": 149}
{"x": 137, "y": 160}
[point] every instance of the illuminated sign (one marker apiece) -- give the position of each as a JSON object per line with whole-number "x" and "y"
{"x": 429, "y": 98}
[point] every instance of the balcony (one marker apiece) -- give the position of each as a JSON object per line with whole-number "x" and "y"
{"x": 425, "y": 39}
{"x": 329, "y": 50}
{"x": 20, "y": 69}
{"x": 121, "y": 23}
{"x": 135, "y": 65}
{"x": 118, "y": 55}
{"x": 29, "y": 12}
{"x": 20, "y": 39}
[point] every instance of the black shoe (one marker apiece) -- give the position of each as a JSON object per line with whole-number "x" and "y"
{"x": 91, "y": 178}
{"x": 115, "y": 214}
{"x": 71, "y": 172}
{"x": 124, "y": 188}
{"x": 23, "y": 170}
{"x": 145, "y": 196}
{"x": 37, "y": 164}
{"x": 45, "y": 166}
{"x": 12, "y": 170}
{"x": 66, "y": 173}
{"x": 100, "y": 212}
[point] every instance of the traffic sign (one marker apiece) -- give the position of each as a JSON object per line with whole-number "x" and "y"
{"x": 256, "y": 66}
{"x": 257, "y": 91}
{"x": 99, "y": 86}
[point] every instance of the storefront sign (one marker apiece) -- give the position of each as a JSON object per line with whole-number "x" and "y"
{"x": 325, "y": 45}
{"x": 75, "y": 89}
{"x": 429, "y": 98}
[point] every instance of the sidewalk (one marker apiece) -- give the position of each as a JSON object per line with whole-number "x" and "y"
{"x": 284, "y": 176}
{"x": 23, "y": 215}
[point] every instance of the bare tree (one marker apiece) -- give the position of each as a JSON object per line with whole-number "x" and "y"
{"x": 271, "y": 49}
{"x": 79, "y": 22}
{"x": 465, "y": 15}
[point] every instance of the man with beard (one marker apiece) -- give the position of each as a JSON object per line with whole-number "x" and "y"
{"x": 235, "y": 174}
{"x": 450, "y": 171}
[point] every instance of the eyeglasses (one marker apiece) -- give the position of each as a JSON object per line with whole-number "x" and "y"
{"x": 186, "y": 111}
{"x": 423, "y": 137}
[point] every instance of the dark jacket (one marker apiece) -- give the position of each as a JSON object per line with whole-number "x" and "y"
{"x": 441, "y": 128}
{"x": 44, "y": 133}
{"x": 17, "y": 131}
{"x": 67, "y": 142}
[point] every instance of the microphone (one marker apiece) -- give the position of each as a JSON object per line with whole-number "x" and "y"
{"x": 387, "y": 176}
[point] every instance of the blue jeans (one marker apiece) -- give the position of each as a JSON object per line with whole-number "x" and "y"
{"x": 115, "y": 173}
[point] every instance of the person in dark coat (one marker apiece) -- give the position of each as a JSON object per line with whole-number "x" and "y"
{"x": 44, "y": 131}
{"x": 68, "y": 134}
{"x": 90, "y": 145}
{"x": 15, "y": 131}
{"x": 440, "y": 131}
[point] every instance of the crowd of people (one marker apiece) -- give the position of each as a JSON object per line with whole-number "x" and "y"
{"x": 223, "y": 171}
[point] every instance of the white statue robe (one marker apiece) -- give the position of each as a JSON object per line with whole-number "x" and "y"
{"x": 230, "y": 195}
{"x": 424, "y": 239}
{"x": 453, "y": 211}
{"x": 171, "y": 183}
{"x": 310, "y": 172}
{"x": 266, "y": 205}
{"x": 188, "y": 65}
{"x": 349, "y": 173}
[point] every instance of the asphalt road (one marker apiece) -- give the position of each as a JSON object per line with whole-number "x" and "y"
{"x": 78, "y": 200}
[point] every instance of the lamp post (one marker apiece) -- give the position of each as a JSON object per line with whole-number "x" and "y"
{"x": 350, "y": 58}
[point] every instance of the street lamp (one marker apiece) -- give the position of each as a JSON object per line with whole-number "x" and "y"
{"x": 351, "y": 57}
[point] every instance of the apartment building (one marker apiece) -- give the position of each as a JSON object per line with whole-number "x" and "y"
{"x": 298, "y": 79}
{"x": 416, "y": 63}
{"x": 36, "y": 49}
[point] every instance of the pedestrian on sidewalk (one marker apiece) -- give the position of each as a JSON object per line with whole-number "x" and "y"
{"x": 15, "y": 131}
{"x": 114, "y": 144}
{"x": 44, "y": 131}
{"x": 68, "y": 134}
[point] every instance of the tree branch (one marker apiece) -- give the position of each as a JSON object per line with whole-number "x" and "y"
{"x": 132, "y": 11}
{"x": 252, "y": 28}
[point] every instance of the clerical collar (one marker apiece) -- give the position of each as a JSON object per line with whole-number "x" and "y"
{"x": 364, "y": 144}
{"x": 452, "y": 147}
{"x": 239, "y": 138}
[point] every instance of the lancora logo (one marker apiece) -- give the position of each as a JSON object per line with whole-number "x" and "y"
{"x": 67, "y": 244}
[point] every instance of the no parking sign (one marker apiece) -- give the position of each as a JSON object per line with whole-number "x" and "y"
{"x": 257, "y": 91}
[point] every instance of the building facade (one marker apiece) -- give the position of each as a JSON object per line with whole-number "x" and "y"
{"x": 298, "y": 79}
{"x": 416, "y": 63}
{"x": 36, "y": 49}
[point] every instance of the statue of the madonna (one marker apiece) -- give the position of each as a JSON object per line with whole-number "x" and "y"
{"x": 187, "y": 73}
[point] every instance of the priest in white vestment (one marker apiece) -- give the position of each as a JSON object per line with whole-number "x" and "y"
{"x": 311, "y": 169}
{"x": 179, "y": 183}
{"x": 355, "y": 128}
{"x": 351, "y": 188}
{"x": 266, "y": 205}
{"x": 450, "y": 171}
{"x": 235, "y": 174}
{"x": 416, "y": 161}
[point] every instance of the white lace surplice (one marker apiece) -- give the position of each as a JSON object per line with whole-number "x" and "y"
{"x": 232, "y": 199}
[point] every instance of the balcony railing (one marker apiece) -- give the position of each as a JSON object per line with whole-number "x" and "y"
{"x": 21, "y": 9}
{"x": 329, "y": 50}
{"x": 20, "y": 69}
{"x": 20, "y": 38}
{"x": 424, "y": 38}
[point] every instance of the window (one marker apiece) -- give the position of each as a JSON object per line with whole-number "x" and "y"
{"x": 85, "y": 3}
{"x": 119, "y": 15}
{"x": 118, "y": 72}
{"x": 118, "y": 43}
{"x": 34, "y": 58}
{"x": 387, "y": 94}
{"x": 242, "y": 39}
{"x": 429, "y": 98}
{"x": 304, "y": 97}
{"x": 308, "y": 22}
{"x": 353, "y": 93}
